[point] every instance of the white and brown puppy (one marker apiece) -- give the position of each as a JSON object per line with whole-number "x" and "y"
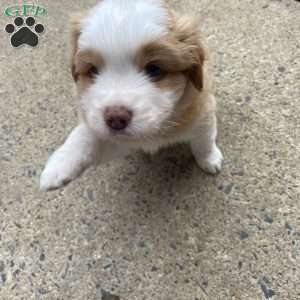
{"x": 143, "y": 82}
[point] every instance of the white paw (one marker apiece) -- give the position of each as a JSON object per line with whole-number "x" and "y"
{"x": 60, "y": 170}
{"x": 212, "y": 163}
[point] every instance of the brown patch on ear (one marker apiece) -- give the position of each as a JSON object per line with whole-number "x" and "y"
{"x": 185, "y": 30}
{"x": 74, "y": 74}
{"x": 196, "y": 72}
{"x": 75, "y": 33}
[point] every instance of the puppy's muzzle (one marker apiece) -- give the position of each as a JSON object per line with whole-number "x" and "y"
{"x": 117, "y": 118}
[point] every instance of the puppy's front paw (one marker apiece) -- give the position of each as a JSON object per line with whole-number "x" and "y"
{"x": 212, "y": 163}
{"x": 60, "y": 170}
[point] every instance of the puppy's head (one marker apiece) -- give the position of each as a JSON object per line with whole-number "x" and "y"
{"x": 133, "y": 64}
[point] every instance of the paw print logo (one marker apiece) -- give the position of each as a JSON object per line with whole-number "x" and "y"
{"x": 24, "y": 32}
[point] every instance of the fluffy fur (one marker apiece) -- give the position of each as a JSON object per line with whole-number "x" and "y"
{"x": 113, "y": 47}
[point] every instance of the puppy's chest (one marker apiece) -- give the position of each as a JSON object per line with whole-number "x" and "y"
{"x": 156, "y": 144}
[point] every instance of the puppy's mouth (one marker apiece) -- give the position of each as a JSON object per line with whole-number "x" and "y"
{"x": 120, "y": 134}
{"x": 126, "y": 136}
{"x": 132, "y": 135}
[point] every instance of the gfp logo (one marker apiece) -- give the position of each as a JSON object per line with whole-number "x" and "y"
{"x": 25, "y": 10}
{"x": 25, "y": 30}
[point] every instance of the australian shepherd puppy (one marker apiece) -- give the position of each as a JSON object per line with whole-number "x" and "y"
{"x": 143, "y": 81}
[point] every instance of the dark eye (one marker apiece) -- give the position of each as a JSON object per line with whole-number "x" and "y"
{"x": 153, "y": 71}
{"x": 93, "y": 71}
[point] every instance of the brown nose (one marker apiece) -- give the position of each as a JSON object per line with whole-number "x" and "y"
{"x": 117, "y": 117}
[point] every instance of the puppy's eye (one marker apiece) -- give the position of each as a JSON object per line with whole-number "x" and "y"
{"x": 93, "y": 71}
{"x": 153, "y": 71}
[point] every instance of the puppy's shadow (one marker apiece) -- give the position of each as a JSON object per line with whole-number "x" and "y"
{"x": 166, "y": 190}
{"x": 162, "y": 178}
{"x": 155, "y": 209}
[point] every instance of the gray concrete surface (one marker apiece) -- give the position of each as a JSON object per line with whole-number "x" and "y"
{"x": 158, "y": 228}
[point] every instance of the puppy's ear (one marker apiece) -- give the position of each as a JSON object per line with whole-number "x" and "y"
{"x": 75, "y": 33}
{"x": 196, "y": 72}
{"x": 187, "y": 33}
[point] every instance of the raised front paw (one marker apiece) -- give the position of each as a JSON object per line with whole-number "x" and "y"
{"x": 60, "y": 170}
{"x": 212, "y": 163}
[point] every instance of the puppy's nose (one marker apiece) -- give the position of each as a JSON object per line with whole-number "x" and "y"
{"x": 117, "y": 117}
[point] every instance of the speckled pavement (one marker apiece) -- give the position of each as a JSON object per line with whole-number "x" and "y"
{"x": 157, "y": 228}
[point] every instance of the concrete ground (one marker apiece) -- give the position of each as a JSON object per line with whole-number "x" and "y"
{"x": 158, "y": 228}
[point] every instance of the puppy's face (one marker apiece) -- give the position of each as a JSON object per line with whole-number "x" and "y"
{"x": 133, "y": 63}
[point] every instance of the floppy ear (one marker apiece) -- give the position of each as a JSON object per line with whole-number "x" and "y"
{"x": 186, "y": 32}
{"x": 75, "y": 33}
{"x": 196, "y": 72}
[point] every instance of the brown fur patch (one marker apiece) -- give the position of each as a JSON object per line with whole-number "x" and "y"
{"x": 86, "y": 59}
{"x": 195, "y": 101}
{"x": 170, "y": 55}
{"x": 172, "y": 82}
{"x": 192, "y": 106}
{"x": 179, "y": 53}
{"x": 75, "y": 31}
{"x": 185, "y": 30}
{"x": 83, "y": 62}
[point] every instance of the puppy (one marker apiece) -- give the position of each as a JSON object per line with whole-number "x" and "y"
{"x": 143, "y": 81}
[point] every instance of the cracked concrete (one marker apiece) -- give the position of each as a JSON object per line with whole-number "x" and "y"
{"x": 157, "y": 228}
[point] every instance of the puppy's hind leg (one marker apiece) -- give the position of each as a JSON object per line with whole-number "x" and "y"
{"x": 204, "y": 147}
